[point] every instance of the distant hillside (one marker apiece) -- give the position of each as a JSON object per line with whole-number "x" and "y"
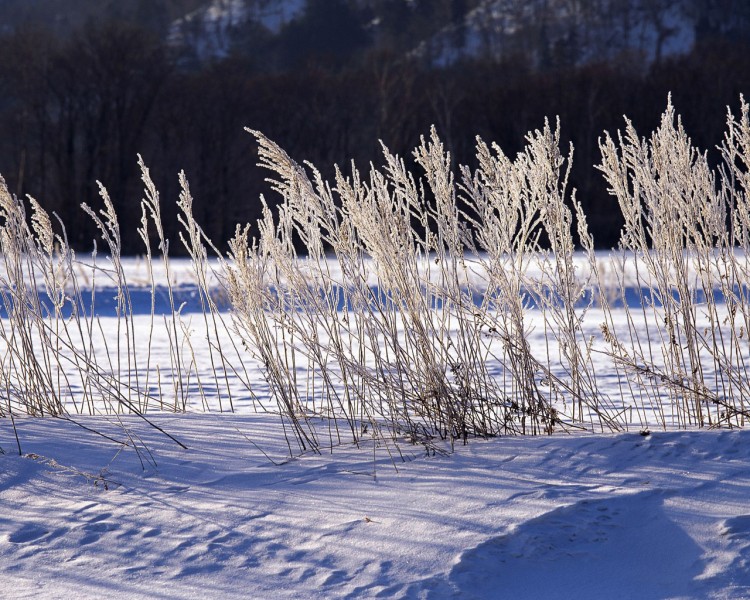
{"x": 283, "y": 33}
{"x": 569, "y": 32}
{"x": 217, "y": 28}
{"x": 177, "y": 80}
{"x": 545, "y": 33}
{"x": 64, "y": 16}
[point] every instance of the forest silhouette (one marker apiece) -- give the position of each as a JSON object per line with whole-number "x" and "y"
{"x": 80, "y": 102}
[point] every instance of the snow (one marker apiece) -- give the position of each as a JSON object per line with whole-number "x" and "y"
{"x": 274, "y": 14}
{"x": 220, "y": 509}
{"x": 208, "y": 29}
{"x": 584, "y": 516}
{"x": 498, "y": 28}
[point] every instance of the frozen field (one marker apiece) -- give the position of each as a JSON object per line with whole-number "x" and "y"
{"x": 230, "y": 514}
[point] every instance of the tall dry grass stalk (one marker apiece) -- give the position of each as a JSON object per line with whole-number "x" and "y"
{"x": 684, "y": 237}
{"x": 389, "y": 305}
{"x": 391, "y": 328}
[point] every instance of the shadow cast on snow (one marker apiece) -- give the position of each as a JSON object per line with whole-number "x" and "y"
{"x": 622, "y": 547}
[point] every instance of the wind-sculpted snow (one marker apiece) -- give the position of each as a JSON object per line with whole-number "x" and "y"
{"x": 610, "y": 516}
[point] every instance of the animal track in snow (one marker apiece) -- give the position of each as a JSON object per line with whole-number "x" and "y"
{"x": 28, "y": 532}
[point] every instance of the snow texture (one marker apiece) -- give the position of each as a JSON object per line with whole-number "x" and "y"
{"x": 583, "y": 516}
{"x": 134, "y": 514}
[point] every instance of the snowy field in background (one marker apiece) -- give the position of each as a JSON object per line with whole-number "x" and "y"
{"x": 618, "y": 272}
{"x": 582, "y": 516}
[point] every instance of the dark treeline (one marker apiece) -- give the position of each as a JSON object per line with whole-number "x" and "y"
{"x": 79, "y": 108}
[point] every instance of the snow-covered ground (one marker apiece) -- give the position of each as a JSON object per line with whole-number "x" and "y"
{"x": 567, "y": 516}
{"x": 113, "y": 506}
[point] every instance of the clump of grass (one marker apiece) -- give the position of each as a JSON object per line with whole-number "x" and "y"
{"x": 389, "y": 305}
{"x": 523, "y": 229}
{"x": 409, "y": 355}
{"x": 684, "y": 347}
